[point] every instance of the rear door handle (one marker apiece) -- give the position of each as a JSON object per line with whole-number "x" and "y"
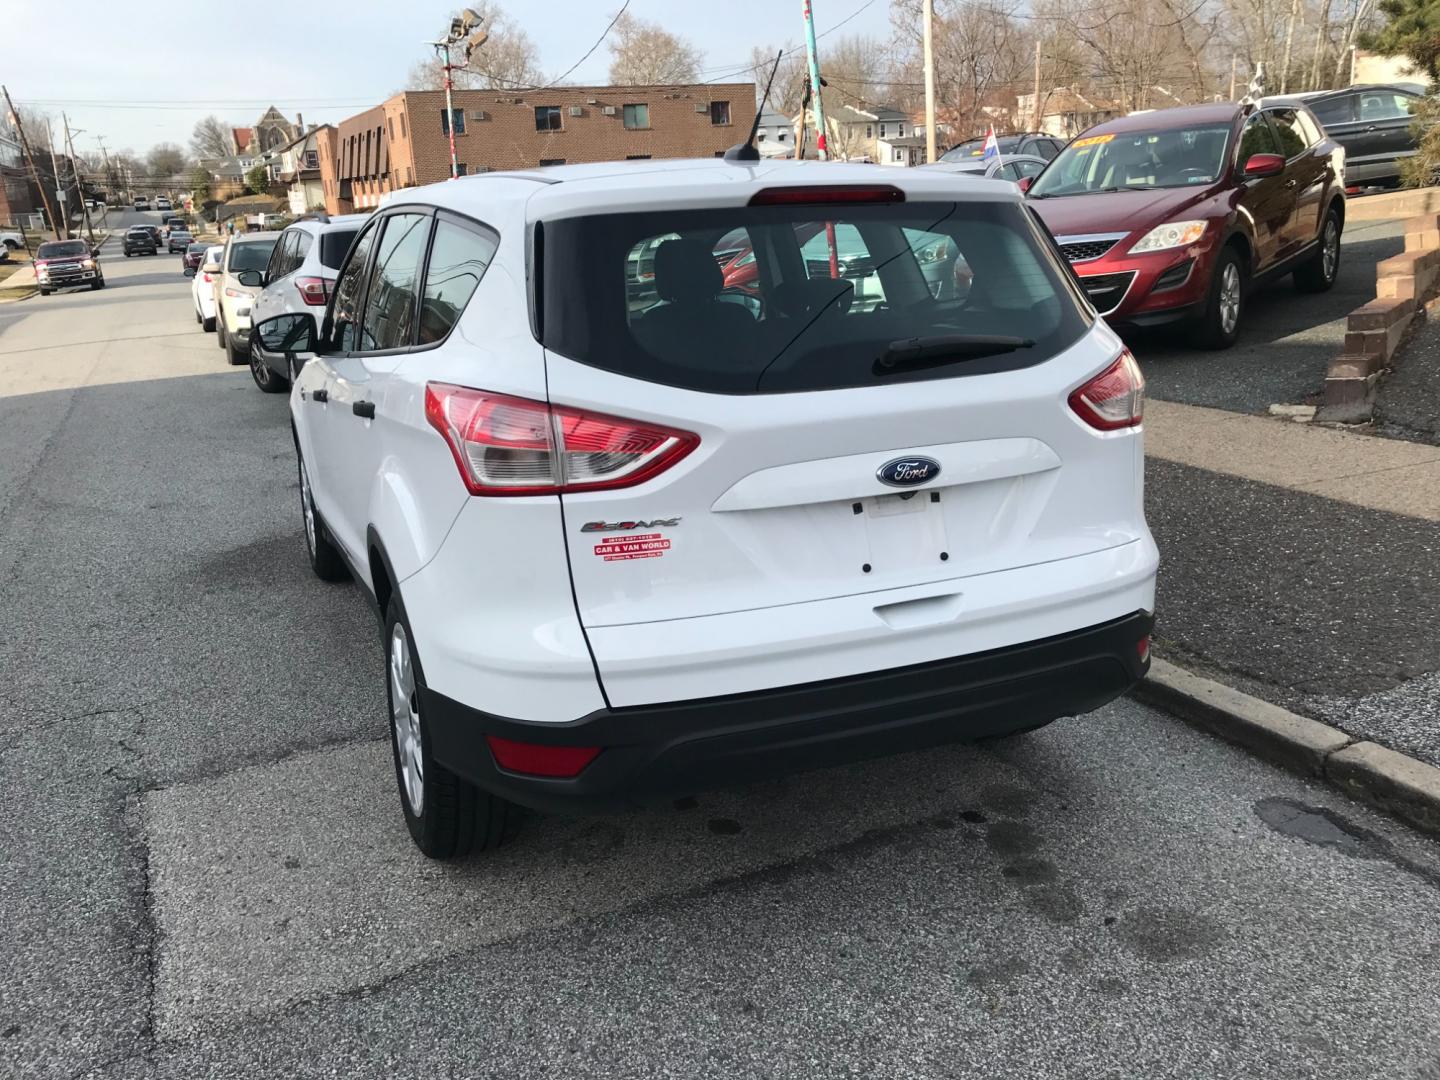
{"x": 321, "y": 396}
{"x": 365, "y": 409}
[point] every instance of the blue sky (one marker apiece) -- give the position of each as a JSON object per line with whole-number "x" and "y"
{"x": 141, "y": 77}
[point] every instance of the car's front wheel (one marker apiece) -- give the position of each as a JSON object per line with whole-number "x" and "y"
{"x": 447, "y": 816}
{"x": 1225, "y": 304}
{"x": 1318, "y": 273}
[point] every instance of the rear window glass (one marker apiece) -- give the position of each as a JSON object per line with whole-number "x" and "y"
{"x": 254, "y": 255}
{"x": 62, "y": 248}
{"x": 333, "y": 246}
{"x": 775, "y": 299}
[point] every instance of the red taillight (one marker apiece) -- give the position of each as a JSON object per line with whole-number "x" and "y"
{"x": 1142, "y": 648}
{"x": 828, "y": 194}
{"x": 534, "y": 759}
{"x": 1115, "y": 398}
{"x": 315, "y": 291}
{"x": 514, "y": 446}
{"x": 206, "y": 278}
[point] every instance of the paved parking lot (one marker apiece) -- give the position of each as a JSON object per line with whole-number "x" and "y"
{"x": 206, "y": 875}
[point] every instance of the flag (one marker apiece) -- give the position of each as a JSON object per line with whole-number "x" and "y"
{"x": 992, "y": 146}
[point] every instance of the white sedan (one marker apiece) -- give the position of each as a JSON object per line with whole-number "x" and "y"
{"x": 202, "y": 289}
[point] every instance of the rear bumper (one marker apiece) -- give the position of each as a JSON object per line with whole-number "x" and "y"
{"x": 654, "y": 751}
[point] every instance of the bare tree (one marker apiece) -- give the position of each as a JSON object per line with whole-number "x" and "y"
{"x": 507, "y": 61}
{"x": 790, "y": 80}
{"x": 211, "y": 139}
{"x": 645, "y": 54}
{"x": 165, "y": 159}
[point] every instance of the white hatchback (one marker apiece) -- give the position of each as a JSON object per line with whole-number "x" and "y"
{"x": 202, "y": 286}
{"x": 666, "y": 476}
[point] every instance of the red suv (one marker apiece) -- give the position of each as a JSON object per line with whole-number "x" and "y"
{"x": 1173, "y": 215}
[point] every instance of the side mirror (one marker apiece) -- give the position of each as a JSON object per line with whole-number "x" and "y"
{"x": 189, "y": 271}
{"x": 1024, "y": 182}
{"x": 287, "y": 335}
{"x": 1261, "y": 165}
{"x": 252, "y": 279}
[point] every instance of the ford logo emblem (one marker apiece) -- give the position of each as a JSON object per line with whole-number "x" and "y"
{"x": 908, "y": 471}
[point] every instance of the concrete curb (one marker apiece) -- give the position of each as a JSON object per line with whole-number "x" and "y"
{"x": 1390, "y": 781}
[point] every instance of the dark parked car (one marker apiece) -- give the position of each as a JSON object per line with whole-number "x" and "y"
{"x": 1027, "y": 142}
{"x": 1175, "y": 214}
{"x": 179, "y": 239}
{"x": 140, "y": 240}
{"x": 1372, "y": 123}
{"x": 62, "y": 263}
{"x": 194, "y": 256}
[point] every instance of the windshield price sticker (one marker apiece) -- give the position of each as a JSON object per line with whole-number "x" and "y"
{"x": 619, "y": 549}
{"x": 1093, "y": 140}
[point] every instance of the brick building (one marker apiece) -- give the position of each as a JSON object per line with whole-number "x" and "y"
{"x": 404, "y": 141}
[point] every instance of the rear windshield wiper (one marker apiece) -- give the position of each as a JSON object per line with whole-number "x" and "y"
{"x": 921, "y": 352}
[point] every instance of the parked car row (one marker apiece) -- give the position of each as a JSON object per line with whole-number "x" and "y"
{"x": 253, "y": 275}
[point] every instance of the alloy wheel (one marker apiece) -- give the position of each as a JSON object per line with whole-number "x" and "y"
{"x": 405, "y": 715}
{"x": 1330, "y": 249}
{"x": 307, "y": 506}
{"x": 1230, "y": 298}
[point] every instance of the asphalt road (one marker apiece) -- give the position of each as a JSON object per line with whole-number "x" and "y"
{"x": 205, "y": 873}
{"x": 1287, "y": 341}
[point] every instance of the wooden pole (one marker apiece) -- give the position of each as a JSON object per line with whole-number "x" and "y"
{"x": 29, "y": 156}
{"x": 929, "y": 81}
{"x": 79, "y": 189}
{"x": 1036, "y": 125}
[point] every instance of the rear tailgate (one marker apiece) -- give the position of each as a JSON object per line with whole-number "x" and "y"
{"x": 784, "y": 533}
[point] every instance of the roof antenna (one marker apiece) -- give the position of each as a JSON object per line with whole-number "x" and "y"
{"x": 746, "y": 151}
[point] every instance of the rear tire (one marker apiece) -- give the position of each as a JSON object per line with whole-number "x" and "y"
{"x": 46, "y": 292}
{"x": 208, "y": 324}
{"x": 220, "y": 333}
{"x": 1318, "y": 273}
{"x": 265, "y": 377}
{"x": 447, "y": 816}
{"x": 233, "y": 357}
{"x": 1225, "y": 305}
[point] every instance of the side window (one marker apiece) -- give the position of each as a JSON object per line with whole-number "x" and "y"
{"x": 1313, "y": 132}
{"x": 1291, "y": 132}
{"x": 302, "y": 248}
{"x": 279, "y": 266}
{"x": 1385, "y": 105}
{"x": 389, "y": 321}
{"x": 1336, "y": 110}
{"x": 1257, "y": 138}
{"x": 1029, "y": 168}
{"x": 459, "y": 257}
{"x": 345, "y": 317}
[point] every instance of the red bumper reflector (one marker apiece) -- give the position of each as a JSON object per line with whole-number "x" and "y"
{"x": 1142, "y": 647}
{"x": 533, "y": 759}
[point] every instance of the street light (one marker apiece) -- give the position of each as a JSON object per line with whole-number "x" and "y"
{"x": 463, "y": 24}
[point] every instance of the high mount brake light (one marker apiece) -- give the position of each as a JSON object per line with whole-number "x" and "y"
{"x": 827, "y": 195}
{"x": 513, "y": 446}
{"x": 1115, "y": 398}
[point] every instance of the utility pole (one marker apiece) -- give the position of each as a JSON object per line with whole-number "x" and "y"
{"x": 1233, "y": 60}
{"x": 1037, "y": 86}
{"x": 930, "y": 81}
{"x": 822, "y": 144}
{"x": 79, "y": 188}
{"x": 62, "y": 226}
{"x": 29, "y": 155}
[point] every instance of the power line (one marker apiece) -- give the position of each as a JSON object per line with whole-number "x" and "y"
{"x": 787, "y": 52}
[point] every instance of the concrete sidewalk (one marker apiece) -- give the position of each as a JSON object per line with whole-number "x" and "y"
{"x": 1379, "y": 474}
{"x": 1301, "y": 564}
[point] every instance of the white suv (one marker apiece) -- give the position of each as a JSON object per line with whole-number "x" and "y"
{"x": 651, "y": 497}
{"x": 299, "y": 277}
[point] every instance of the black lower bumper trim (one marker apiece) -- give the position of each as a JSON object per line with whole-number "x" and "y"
{"x": 653, "y": 751}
